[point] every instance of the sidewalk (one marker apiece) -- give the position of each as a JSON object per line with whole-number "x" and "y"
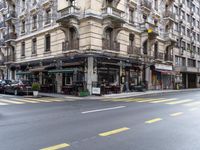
{"x": 120, "y": 95}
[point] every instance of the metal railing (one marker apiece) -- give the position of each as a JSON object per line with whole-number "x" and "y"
{"x": 146, "y": 4}
{"x": 111, "y": 45}
{"x": 169, "y": 14}
{"x": 70, "y": 45}
{"x": 168, "y": 57}
{"x": 133, "y": 50}
{"x": 159, "y": 56}
{"x": 10, "y": 36}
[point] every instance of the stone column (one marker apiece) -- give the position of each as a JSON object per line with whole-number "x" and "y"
{"x": 91, "y": 75}
{"x": 186, "y": 80}
{"x": 59, "y": 82}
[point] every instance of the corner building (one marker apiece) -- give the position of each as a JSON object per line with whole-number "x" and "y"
{"x": 72, "y": 45}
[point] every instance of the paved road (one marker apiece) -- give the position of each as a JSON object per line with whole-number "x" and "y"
{"x": 150, "y": 123}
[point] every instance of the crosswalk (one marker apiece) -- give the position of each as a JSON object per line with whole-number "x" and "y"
{"x": 19, "y": 101}
{"x": 166, "y": 101}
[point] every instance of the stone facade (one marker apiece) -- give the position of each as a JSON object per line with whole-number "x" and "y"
{"x": 111, "y": 44}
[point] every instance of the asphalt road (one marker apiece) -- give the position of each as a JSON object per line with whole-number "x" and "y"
{"x": 168, "y": 122}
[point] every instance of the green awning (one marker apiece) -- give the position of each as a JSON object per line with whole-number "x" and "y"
{"x": 62, "y": 71}
{"x": 23, "y": 73}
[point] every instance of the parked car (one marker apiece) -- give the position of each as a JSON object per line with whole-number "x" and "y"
{"x": 20, "y": 87}
{"x": 3, "y": 83}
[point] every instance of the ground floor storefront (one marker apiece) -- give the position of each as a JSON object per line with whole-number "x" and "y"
{"x": 82, "y": 74}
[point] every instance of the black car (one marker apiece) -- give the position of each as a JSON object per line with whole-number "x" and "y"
{"x": 21, "y": 87}
{"x": 3, "y": 83}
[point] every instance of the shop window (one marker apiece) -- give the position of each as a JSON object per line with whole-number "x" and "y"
{"x": 68, "y": 79}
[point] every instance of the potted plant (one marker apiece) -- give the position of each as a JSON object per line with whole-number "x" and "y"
{"x": 35, "y": 88}
{"x": 83, "y": 93}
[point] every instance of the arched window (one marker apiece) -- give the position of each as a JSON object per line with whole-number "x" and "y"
{"x": 145, "y": 47}
{"x": 132, "y": 40}
{"x": 73, "y": 39}
{"x": 156, "y": 49}
{"x": 109, "y": 38}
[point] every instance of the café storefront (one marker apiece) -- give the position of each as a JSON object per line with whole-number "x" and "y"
{"x": 163, "y": 77}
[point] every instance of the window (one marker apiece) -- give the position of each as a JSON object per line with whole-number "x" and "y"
{"x": 191, "y": 63}
{"x": 47, "y": 42}
{"x": 34, "y": 2}
{"x": 23, "y": 26}
{"x": 131, "y": 40}
{"x": 176, "y": 27}
{"x": 198, "y": 38}
{"x": 48, "y": 16}
{"x": 23, "y": 5}
{"x": 198, "y": 50}
{"x": 188, "y": 46}
{"x": 34, "y": 46}
{"x": 183, "y": 45}
{"x": 176, "y": 10}
{"x": 188, "y": 17}
{"x": 156, "y": 4}
{"x": 34, "y": 22}
{"x": 188, "y": 32}
{"x": 131, "y": 15}
{"x": 183, "y": 30}
{"x": 23, "y": 49}
{"x": 183, "y": 14}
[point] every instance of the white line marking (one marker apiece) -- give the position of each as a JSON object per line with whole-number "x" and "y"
{"x": 104, "y": 109}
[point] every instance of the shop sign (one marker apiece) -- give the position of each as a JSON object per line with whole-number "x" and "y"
{"x": 96, "y": 90}
{"x": 163, "y": 67}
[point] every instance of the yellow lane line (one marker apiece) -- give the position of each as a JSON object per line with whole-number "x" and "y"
{"x": 164, "y": 100}
{"x": 126, "y": 99}
{"x": 56, "y": 147}
{"x": 192, "y": 104}
{"x": 193, "y": 109}
{"x": 153, "y": 120}
{"x": 24, "y": 100}
{"x": 114, "y": 131}
{"x": 11, "y": 102}
{"x": 176, "y": 114}
{"x": 148, "y": 100}
{"x": 179, "y": 102}
{"x": 40, "y": 100}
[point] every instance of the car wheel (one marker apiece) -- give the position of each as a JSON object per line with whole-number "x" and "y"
{"x": 16, "y": 92}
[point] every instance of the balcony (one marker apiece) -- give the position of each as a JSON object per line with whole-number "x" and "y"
{"x": 146, "y": 5}
{"x": 169, "y": 15}
{"x": 11, "y": 15}
{"x": 69, "y": 12}
{"x": 10, "y": 36}
{"x": 159, "y": 56}
{"x": 168, "y": 36}
{"x": 168, "y": 57}
{"x": 66, "y": 46}
{"x": 133, "y": 50}
{"x": 10, "y": 58}
{"x": 112, "y": 13}
{"x": 113, "y": 46}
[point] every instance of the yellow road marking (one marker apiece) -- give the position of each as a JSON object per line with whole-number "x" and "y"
{"x": 56, "y": 147}
{"x": 176, "y": 114}
{"x": 192, "y": 104}
{"x": 193, "y": 109}
{"x": 153, "y": 120}
{"x": 24, "y": 100}
{"x": 40, "y": 100}
{"x": 148, "y": 100}
{"x": 10, "y": 101}
{"x": 179, "y": 102}
{"x": 126, "y": 99}
{"x": 114, "y": 131}
{"x": 164, "y": 100}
